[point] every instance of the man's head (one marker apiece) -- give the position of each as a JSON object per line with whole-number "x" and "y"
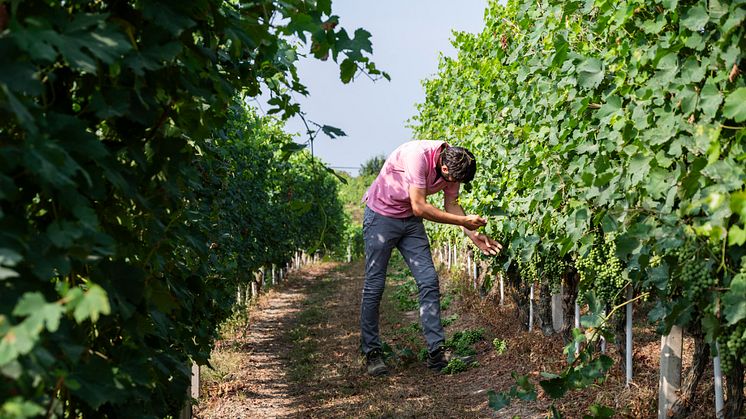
{"x": 458, "y": 164}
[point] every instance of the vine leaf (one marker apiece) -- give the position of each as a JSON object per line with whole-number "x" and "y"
{"x": 347, "y": 70}
{"x": 337, "y": 175}
{"x": 735, "y": 105}
{"x": 39, "y": 312}
{"x": 8, "y": 259}
{"x": 332, "y": 132}
{"x": 89, "y": 304}
{"x": 695, "y": 18}
{"x": 735, "y": 300}
{"x": 599, "y": 412}
{"x": 498, "y": 401}
{"x": 288, "y": 149}
{"x": 736, "y": 235}
{"x": 590, "y": 73}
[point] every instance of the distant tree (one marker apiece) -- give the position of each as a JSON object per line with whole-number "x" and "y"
{"x": 372, "y": 166}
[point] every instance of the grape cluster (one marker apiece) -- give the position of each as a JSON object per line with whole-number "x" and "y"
{"x": 601, "y": 271}
{"x": 528, "y": 270}
{"x": 695, "y": 276}
{"x": 554, "y": 269}
{"x": 733, "y": 346}
{"x": 732, "y": 340}
{"x": 541, "y": 268}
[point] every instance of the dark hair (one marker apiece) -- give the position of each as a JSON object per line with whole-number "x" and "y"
{"x": 461, "y": 163}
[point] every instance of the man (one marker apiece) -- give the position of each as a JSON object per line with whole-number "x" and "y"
{"x": 395, "y": 206}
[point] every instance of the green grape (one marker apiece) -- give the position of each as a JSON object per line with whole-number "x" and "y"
{"x": 553, "y": 268}
{"x": 695, "y": 276}
{"x": 601, "y": 271}
{"x": 732, "y": 343}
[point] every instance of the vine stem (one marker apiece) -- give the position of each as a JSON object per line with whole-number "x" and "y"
{"x": 605, "y": 320}
{"x": 56, "y": 390}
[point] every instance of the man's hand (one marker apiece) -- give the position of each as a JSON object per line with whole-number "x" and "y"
{"x": 488, "y": 246}
{"x": 473, "y": 222}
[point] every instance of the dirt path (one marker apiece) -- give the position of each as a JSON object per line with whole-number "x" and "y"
{"x": 300, "y": 358}
{"x": 252, "y": 380}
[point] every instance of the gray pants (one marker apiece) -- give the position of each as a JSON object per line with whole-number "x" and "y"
{"x": 381, "y": 234}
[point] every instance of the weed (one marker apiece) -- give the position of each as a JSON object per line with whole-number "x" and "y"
{"x": 237, "y": 324}
{"x": 446, "y": 301}
{"x": 422, "y": 355}
{"x": 412, "y": 329}
{"x": 449, "y": 320}
{"x": 406, "y": 295}
{"x": 461, "y": 342}
{"x": 500, "y": 345}
{"x": 456, "y": 365}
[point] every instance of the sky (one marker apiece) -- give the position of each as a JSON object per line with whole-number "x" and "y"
{"x": 408, "y": 36}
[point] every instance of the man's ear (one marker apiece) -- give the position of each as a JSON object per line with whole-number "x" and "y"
{"x": 443, "y": 169}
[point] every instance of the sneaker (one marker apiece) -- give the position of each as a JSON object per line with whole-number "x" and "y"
{"x": 374, "y": 361}
{"x": 439, "y": 358}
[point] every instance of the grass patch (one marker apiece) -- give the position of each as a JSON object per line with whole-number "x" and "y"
{"x": 237, "y": 324}
{"x": 446, "y": 301}
{"x": 305, "y": 346}
{"x": 224, "y": 363}
{"x": 449, "y": 320}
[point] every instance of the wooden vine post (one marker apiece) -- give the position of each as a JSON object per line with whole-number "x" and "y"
{"x": 577, "y": 325}
{"x": 558, "y": 317}
{"x": 531, "y": 307}
{"x": 718, "y": 373}
{"x": 628, "y": 337}
{"x": 449, "y": 255}
{"x": 475, "y": 272}
{"x": 192, "y": 393}
{"x": 502, "y": 290}
{"x": 670, "y": 370}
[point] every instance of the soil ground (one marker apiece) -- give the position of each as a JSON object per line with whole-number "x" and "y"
{"x": 299, "y": 356}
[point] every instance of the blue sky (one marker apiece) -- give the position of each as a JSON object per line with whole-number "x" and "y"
{"x": 408, "y": 36}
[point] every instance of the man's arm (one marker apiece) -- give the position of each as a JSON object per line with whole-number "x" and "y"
{"x": 487, "y": 245}
{"x": 422, "y": 208}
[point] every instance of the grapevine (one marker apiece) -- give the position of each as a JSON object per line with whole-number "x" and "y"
{"x": 597, "y": 119}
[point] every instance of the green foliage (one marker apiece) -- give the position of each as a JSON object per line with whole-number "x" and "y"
{"x": 732, "y": 338}
{"x": 371, "y": 167}
{"x": 446, "y": 300}
{"x": 500, "y": 345}
{"x": 462, "y": 341}
{"x": 447, "y": 321}
{"x": 456, "y": 365}
{"x": 351, "y": 194}
{"x": 406, "y": 295}
{"x": 522, "y": 390}
{"x": 596, "y": 118}
{"x": 133, "y": 188}
{"x": 601, "y": 271}
{"x": 422, "y": 355}
{"x": 599, "y": 412}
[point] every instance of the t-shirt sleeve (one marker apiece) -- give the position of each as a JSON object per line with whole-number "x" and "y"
{"x": 451, "y": 189}
{"x": 415, "y": 172}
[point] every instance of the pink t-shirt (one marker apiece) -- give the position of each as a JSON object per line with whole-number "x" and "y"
{"x": 411, "y": 164}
